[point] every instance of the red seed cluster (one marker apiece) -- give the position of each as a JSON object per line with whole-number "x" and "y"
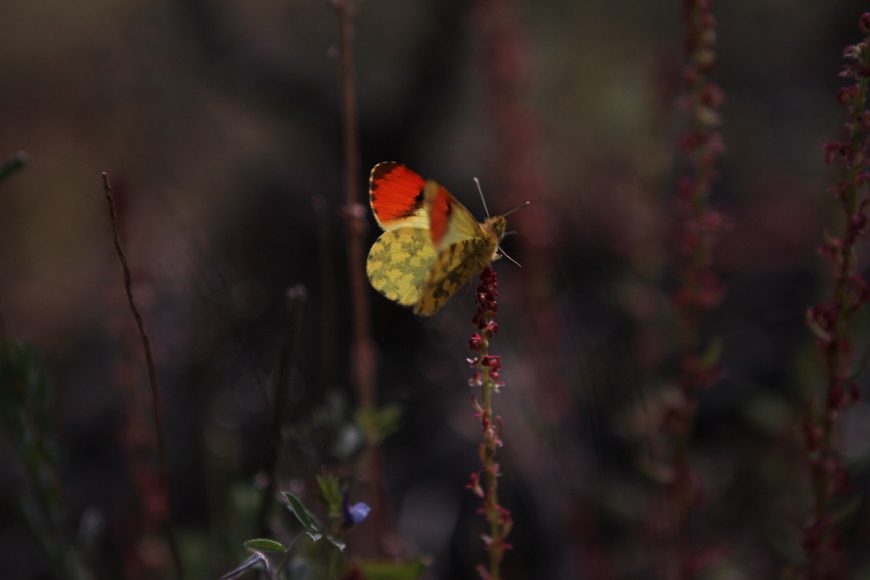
{"x": 487, "y": 375}
{"x": 699, "y": 289}
{"x": 831, "y": 320}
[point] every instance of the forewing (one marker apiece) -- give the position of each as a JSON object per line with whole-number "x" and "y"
{"x": 397, "y": 197}
{"x": 456, "y": 264}
{"x": 449, "y": 221}
{"x": 399, "y": 263}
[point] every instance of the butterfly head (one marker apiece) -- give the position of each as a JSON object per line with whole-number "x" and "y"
{"x": 493, "y": 229}
{"x": 495, "y": 226}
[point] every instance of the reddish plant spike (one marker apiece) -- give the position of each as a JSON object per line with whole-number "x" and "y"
{"x": 484, "y": 483}
{"x": 831, "y": 321}
{"x": 699, "y": 289}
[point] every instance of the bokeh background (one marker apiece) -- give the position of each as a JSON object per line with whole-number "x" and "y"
{"x": 219, "y": 123}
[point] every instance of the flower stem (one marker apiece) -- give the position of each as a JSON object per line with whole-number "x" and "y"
{"x": 156, "y": 406}
{"x": 363, "y": 358}
{"x": 486, "y": 376}
{"x": 831, "y": 321}
{"x": 699, "y": 289}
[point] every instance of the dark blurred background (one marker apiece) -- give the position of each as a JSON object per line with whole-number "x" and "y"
{"x": 219, "y": 123}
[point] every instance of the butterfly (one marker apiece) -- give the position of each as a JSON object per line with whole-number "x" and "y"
{"x": 431, "y": 245}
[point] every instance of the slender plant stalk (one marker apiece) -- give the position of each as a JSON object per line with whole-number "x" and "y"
{"x": 294, "y": 307}
{"x": 487, "y": 377}
{"x": 363, "y": 352}
{"x": 699, "y": 289}
{"x": 832, "y": 321}
{"x": 156, "y": 406}
{"x": 363, "y": 356}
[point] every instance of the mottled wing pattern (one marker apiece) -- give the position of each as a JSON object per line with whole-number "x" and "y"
{"x": 456, "y": 264}
{"x": 399, "y": 262}
{"x": 397, "y": 197}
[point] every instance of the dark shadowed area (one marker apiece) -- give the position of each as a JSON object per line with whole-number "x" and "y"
{"x": 219, "y": 124}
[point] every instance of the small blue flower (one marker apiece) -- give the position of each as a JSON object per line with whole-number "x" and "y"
{"x": 353, "y": 514}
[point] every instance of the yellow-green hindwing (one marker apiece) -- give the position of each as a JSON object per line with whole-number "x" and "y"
{"x": 399, "y": 263}
{"x": 456, "y": 264}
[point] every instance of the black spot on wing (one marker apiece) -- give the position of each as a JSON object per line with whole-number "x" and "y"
{"x": 382, "y": 169}
{"x": 419, "y": 200}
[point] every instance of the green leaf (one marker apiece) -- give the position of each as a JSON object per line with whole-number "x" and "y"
{"x": 392, "y": 570}
{"x": 305, "y": 517}
{"x": 330, "y": 494}
{"x": 265, "y": 545}
{"x": 378, "y": 424}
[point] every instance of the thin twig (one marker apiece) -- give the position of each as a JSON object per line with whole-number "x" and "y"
{"x": 152, "y": 373}
{"x": 363, "y": 357}
{"x": 294, "y": 306}
{"x": 699, "y": 289}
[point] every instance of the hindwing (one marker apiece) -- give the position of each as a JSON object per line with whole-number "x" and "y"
{"x": 455, "y": 265}
{"x": 399, "y": 263}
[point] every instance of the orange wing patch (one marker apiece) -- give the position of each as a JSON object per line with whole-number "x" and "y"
{"x": 449, "y": 221}
{"x": 439, "y": 212}
{"x": 397, "y": 197}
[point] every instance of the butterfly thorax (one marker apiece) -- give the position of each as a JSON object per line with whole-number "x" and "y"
{"x": 493, "y": 230}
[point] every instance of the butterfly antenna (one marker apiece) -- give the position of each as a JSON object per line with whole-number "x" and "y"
{"x": 480, "y": 191}
{"x": 506, "y": 255}
{"x": 510, "y": 233}
{"x": 519, "y": 207}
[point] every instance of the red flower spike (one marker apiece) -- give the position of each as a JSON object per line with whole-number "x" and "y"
{"x": 847, "y": 95}
{"x": 832, "y": 320}
{"x": 474, "y": 484}
{"x": 852, "y": 52}
{"x": 699, "y": 288}
{"x": 835, "y": 149}
{"x": 481, "y": 569}
{"x": 487, "y": 377}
